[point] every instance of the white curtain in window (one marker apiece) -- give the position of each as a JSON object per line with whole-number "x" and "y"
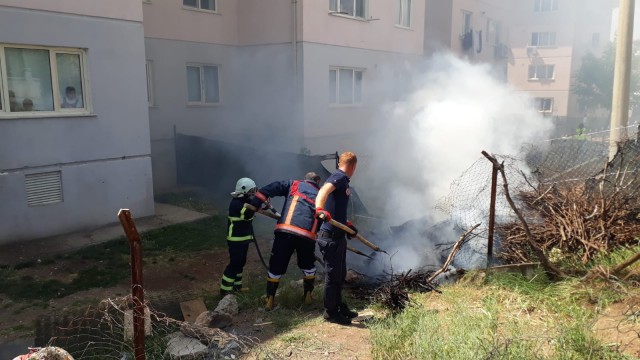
{"x": 70, "y": 80}
{"x": 193, "y": 84}
{"x": 29, "y": 80}
{"x": 345, "y": 77}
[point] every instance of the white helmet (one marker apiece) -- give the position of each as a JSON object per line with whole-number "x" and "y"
{"x": 244, "y": 186}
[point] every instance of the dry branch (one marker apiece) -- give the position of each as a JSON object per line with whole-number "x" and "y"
{"x": 550, "y": 269}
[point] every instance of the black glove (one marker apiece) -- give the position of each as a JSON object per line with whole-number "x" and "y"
{"x": 352, "y": 227}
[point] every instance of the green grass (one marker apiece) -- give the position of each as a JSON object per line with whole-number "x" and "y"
{"x": 505, "y": 317}
{"x": 111, "y": 260}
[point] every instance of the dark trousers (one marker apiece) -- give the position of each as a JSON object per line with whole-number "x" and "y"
{"x": 334, "y": 250}
{"x": 284, "y": 245}
{"x": 232, "y": 275}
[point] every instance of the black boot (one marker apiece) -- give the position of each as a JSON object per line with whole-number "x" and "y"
{"x": 272, "y": 287}
{"x": 336, "y": 317}
{"x": 345, "y": 311}
{"x": 307, "y": 284}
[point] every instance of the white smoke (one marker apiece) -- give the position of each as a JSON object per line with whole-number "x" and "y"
{"x": 457, "y": 110}
{"x": 423, "y": 144}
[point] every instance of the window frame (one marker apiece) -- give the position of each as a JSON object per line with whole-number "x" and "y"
{"x": 463, "y": 29}
{"x": 400, "y": 17}
{"x": 540, "y": 102}
{"x": 337, "y": 11}
{"x": 549, "y": 43}
{"x": 199, "y": 7}
{"x": 353, "y": 103}
{"x": 546, "y": 72}
{"x": 496, "y": 36}
{"x": 58, "y": 110}
{"x": 538, "y": 6}
{"x": 149, "y": 75}
{"x": 203, "y": 94}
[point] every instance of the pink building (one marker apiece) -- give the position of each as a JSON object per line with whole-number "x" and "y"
{"x": 280, "y": 73}
{"x": 548, "y": 39}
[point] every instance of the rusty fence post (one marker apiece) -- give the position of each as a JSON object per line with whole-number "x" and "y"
{"x": 492, "y": 210}
{"x": 137, "y": 290}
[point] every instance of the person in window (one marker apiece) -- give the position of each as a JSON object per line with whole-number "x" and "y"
{"x": 27, "y": 105}
{"x": 13, "y": 102}
{"x": 70, "y": 99}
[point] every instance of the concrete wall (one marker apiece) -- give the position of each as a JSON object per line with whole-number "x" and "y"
{"x": 328, "y": 126}
{"x": 379, "y": 33}
{"x": 105, "y": 157}
{"x": 115, "y": 9}
{"x": 169, "y": 19}
{"x": 256, "y": 87}
{"x": 574, "y": 24}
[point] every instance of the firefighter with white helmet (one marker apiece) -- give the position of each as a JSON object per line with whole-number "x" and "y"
{"x": 239, "y": 234}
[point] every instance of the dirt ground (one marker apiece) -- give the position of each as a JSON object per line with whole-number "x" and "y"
{"x": 176, "y": 281}
{"x": 619, "y": 326}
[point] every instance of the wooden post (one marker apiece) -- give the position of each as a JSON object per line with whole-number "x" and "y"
{"x": 137, "y": 289}
{"x": 492, "y": 213}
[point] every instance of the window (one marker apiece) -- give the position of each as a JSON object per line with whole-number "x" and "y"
{"x": 595, "y": 39}
{"x": 201, "y": 4}
{"x": 43, "y": 80}
{"x": 354, "y": 8}
{"x": 149, "y": 67}
{"x": 345, "y": 86}
{"x": 545, "y": 5}
{"x": 541, "y": 72}
{"x": 493, "y": 32}
{"x": 404, "y": 13}
{"x": 203, "y": 86}
{"x": 466, "y": 22}
{"x": 543, "y": 39}
{"x": 544, "y": 105}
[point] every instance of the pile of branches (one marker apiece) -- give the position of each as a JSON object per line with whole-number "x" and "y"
{"x": 394, "y": 294}
{"x": 595, "y": 216}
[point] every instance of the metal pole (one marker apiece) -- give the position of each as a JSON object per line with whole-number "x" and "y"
{"x": 621, "y": 77}
{"x": 137, "y": 290}
{"x": 492, "y": 213}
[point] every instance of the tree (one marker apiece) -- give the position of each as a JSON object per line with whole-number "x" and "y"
{"x": 593, "y": 82}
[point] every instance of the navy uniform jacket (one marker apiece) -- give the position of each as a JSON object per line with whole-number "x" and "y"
{"x": 298, "y": 212}
{"x": 240, "y": 218}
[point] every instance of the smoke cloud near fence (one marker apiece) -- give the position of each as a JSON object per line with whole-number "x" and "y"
{"x": 423, "y": 144}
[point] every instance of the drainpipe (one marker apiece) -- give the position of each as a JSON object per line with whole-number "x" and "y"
{"x": 294, "y": 51}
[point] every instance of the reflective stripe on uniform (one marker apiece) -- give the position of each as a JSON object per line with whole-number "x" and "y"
{"x": 226, "y": 283}
{"x": 296, "y": 230}
{"x": 238, "y": 279}
{"x": 291, "y": 210}
{"x": 273, "y": 276}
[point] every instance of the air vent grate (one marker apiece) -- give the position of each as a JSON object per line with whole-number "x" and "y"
{"x": 44, "y": 188}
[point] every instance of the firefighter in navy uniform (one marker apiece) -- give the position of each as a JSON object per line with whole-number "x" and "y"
{"x": 240, "y": 233}
{"x": 332, "y": 201}
{"x": 295, "y": 231}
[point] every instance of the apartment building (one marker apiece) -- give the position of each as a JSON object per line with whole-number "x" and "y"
{"x": 74, "y": 131}
{"x": 477, "y": 30}
{"x": 279, "y": 74}
{"x": 548, "y": 40}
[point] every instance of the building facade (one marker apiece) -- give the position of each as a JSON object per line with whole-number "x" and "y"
{"x": 548, "y": 40}
{"x": 74, "y": 130}
{"x": 280, "y": 74}
{"x": 477, "y": 30}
